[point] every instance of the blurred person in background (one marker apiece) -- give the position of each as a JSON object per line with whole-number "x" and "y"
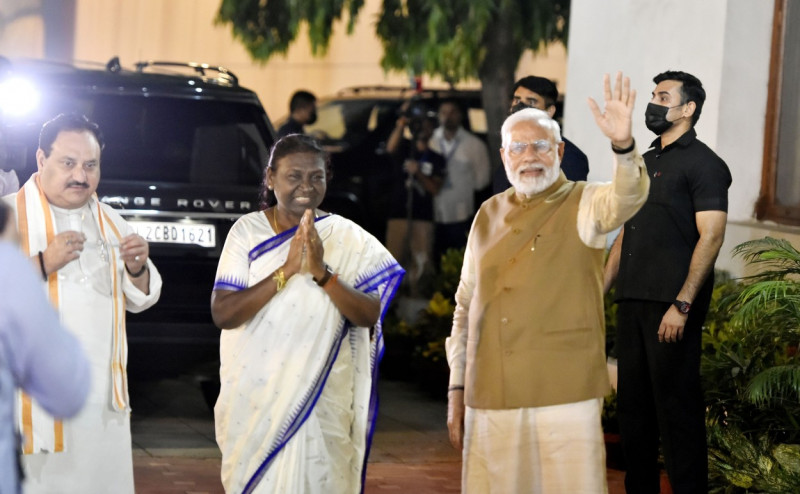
{"x": 9, "y": 182}
{"x": 37, "y": 355}
{"x": 468, "y": 171}
{"x": 302, "y": 112}
{"x": 417, "y": 176}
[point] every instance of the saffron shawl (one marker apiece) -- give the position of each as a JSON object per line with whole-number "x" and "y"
{"x": 36, "y": 225}
{"x": 274, "y": 368}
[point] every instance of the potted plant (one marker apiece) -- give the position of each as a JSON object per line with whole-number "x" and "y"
{"x": 751, "y": 374}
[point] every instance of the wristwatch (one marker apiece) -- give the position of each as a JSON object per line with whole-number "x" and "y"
{"x": 326, "y": 277}
{"x": 682, "y": 306}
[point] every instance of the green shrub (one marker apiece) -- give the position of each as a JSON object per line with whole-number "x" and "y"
{"x": 751, "y": 374}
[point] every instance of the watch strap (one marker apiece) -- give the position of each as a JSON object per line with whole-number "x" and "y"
{"x": 682, "y": 306}
{"x": 325, "y": 278}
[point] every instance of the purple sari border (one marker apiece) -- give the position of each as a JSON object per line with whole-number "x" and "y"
{"x": 389, "y": 274}
{"x": 301, "y": 412}
{"x": 273, "y": 242}
{"x": 376, "y": 355}
{"x": 229, "y": 283}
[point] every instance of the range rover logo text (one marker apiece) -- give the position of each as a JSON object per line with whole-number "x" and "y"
{"x": 180, "y": 204}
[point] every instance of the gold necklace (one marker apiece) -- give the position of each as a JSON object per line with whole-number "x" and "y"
{"x": 275, "y": 218}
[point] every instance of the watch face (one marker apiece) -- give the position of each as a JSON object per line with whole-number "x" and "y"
{"x": 683, "y": 307}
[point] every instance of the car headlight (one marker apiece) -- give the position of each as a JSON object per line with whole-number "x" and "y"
{"x": 18, "y": 97}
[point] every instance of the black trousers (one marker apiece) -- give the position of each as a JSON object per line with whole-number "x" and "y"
{"x": 660, "y": 395}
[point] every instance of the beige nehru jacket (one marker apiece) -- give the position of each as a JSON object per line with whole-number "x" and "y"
{"x": 528, "y": 328}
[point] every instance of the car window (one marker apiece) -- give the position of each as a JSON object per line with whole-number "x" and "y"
{"x": 169, "y": 139}
{"x": 182, "y": 140}
{"x": 350, "y": 120}
{"x": 341, "y": 120}
{"x": 330, "y": 122}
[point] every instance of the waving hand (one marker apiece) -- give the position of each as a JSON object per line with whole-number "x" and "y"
{"x": 615, "y": 119}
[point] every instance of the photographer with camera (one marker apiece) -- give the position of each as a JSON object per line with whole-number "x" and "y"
{"x": 417, "y": 176}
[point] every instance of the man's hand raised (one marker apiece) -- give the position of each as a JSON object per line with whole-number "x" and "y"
{"x": 615, "y": 119}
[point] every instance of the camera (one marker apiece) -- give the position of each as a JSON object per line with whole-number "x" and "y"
{"x": 416, "y": 110}
{"x": 417, "y": 113}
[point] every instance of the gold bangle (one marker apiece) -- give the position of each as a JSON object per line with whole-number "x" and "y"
{"x": 279, "y": 279}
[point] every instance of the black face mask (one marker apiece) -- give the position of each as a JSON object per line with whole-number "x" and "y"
{"x": 312, "y": 118}
{"x": 517, "y": 107}
{"x": 655, "y": 118}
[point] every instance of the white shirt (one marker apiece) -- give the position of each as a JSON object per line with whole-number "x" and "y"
{"x": 468, "y": 170}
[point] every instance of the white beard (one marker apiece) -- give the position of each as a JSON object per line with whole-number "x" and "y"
{"x": 529, "y": 185}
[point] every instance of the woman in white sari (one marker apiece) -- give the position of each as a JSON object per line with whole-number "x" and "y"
{"x": 300, "y": 295}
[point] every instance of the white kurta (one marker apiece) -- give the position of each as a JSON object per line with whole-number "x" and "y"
{"x": 98, "y": 440}
{"x": 97, "y": 454}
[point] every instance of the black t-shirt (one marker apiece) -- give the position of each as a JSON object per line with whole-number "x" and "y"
{"x": 432, "y": 164}
{"x": 685, "y": 177}
{"x": 291, "y": 126}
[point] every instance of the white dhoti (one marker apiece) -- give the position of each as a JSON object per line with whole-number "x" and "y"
{"x": 545, "y": 450}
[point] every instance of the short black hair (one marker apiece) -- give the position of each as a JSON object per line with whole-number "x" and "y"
{"x": 66, "y": 122}
{"x": 691, "y": 89}
{"x": 539, "y": 85}
{"x": 288, "y": 145}
{"x": 301, "y": 99}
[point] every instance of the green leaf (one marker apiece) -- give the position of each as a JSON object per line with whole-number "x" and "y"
{"x": 775, "y": 384}
{"x": 788, "y": 456}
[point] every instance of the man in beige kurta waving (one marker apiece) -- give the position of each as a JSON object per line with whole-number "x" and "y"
{"x": 526, "y": 352}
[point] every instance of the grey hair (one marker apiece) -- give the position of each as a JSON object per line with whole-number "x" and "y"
{"x": 540, "y": 117}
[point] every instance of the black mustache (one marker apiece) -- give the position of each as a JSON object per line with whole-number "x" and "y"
{"x": 78, "y": 184}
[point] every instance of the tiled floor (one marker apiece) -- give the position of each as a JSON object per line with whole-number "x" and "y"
{"x": 177, "y": 475}
{"x": 175, "y": 452}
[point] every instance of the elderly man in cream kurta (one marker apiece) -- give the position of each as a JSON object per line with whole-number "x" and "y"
{"x": 93, "y": 268}
{"x": 526, "y": 353}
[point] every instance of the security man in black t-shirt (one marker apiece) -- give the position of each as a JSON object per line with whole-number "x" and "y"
{"x": 663, "y": 264}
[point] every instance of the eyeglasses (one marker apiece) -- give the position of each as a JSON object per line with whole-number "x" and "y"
{"x": 540, "y": 146}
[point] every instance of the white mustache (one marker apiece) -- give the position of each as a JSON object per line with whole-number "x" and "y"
{"x": 531, "y": 167}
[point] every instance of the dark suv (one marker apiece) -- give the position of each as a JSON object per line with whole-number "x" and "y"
{"x": 185, "y": 150}
{"x": 355, "y": 125}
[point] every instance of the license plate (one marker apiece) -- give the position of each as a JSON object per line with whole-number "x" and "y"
{"x": 202, "y": 234}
